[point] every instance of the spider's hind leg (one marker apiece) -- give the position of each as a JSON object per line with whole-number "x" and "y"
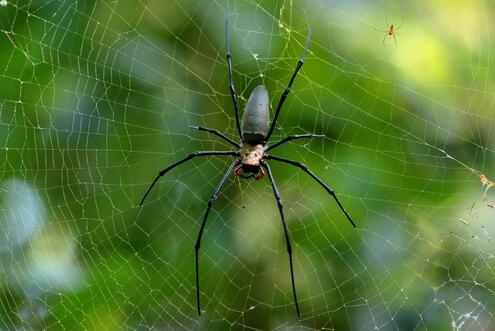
{"x": 293, "y": 137}
{"x": 287, "y": 89}
{"x": 217, "y": 133}
{"x": 231, "y": 83}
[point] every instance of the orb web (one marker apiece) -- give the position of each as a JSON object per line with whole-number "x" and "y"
{"x": 97, "y": 97}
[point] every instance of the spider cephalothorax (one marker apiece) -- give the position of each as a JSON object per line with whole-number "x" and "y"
{"x": 251, "y": 157}
{"x": 251, "y": 154}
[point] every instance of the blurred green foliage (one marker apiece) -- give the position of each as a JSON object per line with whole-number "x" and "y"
{"x": 97, "y": 96}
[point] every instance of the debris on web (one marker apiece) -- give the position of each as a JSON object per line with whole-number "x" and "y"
{"x": 471, "y": 215}
{"x": 3, "y": 3}
{"x": 486, "y": 184}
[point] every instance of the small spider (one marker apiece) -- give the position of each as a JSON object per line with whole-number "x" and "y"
{"x": 252, "y": 154}
{"x": 392, "y": 31}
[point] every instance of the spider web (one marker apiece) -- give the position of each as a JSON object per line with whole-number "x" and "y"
{"x": 96, "y": 97}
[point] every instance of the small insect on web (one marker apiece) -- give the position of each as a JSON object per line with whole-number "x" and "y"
{"x": 251, "y": 154}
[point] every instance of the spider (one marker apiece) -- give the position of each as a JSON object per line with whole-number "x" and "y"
{"x": 251, "y": 154}
{"x": 392, "y": 31}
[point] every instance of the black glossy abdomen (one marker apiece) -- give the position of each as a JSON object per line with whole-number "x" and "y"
{"x": 255, "y": 119}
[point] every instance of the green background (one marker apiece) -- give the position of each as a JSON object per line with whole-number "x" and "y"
{"x": 97, "y": 97}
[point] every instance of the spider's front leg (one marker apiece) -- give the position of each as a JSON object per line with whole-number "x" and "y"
{"x": 287, "y": 238}
{"x": 187, "y": 158}
{"x": 309, "y": 172}
{"x": 203, "y": 222}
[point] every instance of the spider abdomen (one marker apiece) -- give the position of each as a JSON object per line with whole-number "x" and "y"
{"x": 255, "y": 120}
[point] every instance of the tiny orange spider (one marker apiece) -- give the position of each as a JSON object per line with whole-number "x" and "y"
{"x": 392, "y": 31}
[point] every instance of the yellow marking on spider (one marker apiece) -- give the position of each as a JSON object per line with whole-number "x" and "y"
{"x": 251, "y": 155}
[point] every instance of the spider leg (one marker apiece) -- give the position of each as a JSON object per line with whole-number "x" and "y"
{"x": 395, "y": 40}
{"x": 187, "y": 158}
{"x": 287, "y": 238}
{"x": 287, "y": 89}
{"x": 385, "y": 38}
{"x": 231, "y": 84}
{"x": 305, "y": 169}
{"x": 203, "y": 222}
{"x": 217, "y": 133}
{"x": 292, "y": 137}
{"x": 378, "y": 30}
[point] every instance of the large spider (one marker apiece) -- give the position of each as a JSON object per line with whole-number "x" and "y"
{"x": 252, "y": 154}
